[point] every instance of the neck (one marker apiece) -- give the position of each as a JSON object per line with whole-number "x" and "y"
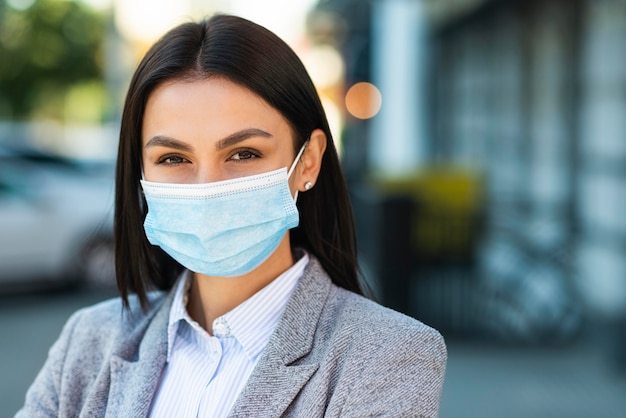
{"x": 211, "y": 297}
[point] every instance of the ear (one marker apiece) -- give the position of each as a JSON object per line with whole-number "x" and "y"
{"x": 311, "y": 160}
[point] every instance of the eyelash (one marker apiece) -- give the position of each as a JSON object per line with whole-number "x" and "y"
{"x": 163, "y": 160}
{"x": 251, "y": 155}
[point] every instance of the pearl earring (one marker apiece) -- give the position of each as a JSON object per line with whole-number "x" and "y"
{"x": 308, "y": 185}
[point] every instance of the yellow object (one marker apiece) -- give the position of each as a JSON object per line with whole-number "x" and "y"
{"x": 448, "y": 206}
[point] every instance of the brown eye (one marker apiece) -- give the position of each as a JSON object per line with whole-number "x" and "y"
{"x": 244, "y": 155}
{"x": 171, "y": 160}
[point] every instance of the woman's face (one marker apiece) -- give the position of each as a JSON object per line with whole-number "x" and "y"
{"x": 211, "y": 130}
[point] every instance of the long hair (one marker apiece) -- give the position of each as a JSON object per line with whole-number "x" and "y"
{"x": 255, "y": 58}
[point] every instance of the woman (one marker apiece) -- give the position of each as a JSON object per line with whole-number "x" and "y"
{"x": 222, "y": 133}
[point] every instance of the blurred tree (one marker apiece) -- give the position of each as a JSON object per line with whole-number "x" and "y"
{"x": 47, "y": 48}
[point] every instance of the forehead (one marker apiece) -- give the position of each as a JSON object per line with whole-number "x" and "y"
{"x": 216, "y": 106}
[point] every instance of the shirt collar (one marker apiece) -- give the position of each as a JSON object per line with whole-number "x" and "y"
{"x": 178, "y": 311}
{"x": 252, "y": 322}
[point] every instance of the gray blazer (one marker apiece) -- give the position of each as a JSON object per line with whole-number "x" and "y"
{"x": 333, "y": 354}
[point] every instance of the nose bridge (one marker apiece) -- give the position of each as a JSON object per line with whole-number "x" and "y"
{"x": 208, "y": 172}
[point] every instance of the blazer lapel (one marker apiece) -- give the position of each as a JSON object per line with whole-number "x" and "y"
{"x": 136, "y": 370}
{"x": 276, "y": 380}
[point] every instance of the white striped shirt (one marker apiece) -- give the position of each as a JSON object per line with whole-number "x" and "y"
{"x": 205, "y": 374}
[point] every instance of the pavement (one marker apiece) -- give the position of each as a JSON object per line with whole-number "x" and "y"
{"x": 492, "y": 380}
{"x": 484, "y": 379}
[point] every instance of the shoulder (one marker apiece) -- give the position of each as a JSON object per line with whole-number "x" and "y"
{"x": 105, "y": 324}
{"x": 393, "y": 365}
{"x": 351, "y": 318}
{"x": 113, "y": 313}
{"x": 79, "y": 357}
{"x": 374, "y": 360}
{"x": 369, "y": 322}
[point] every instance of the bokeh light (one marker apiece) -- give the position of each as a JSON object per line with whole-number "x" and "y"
{"x": 363, "y": 100}
{"x": 146, "y": 20}
{"x": 325, "y": 66}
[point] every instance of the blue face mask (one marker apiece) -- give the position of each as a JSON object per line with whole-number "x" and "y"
{"x": 226, "y": 228}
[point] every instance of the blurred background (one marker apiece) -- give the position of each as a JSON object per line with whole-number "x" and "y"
{"x": 484, "y": 143}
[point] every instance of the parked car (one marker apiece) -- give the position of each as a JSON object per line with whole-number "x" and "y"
{"x": 56, "y": 218}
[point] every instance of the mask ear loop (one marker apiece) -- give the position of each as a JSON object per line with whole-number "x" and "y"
{"x": 293, "y": 167}
{"x": 143, "y": 178}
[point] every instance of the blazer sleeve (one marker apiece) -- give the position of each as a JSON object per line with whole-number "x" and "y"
{"x": 402, "y": 377}
{"x": 42, "y": 398}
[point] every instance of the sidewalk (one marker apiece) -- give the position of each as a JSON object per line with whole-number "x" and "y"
{"x": 486, "y": 380}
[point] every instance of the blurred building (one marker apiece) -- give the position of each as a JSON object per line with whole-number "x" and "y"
{"x": 531, "y": 92}
{"x": 528, "y": 96}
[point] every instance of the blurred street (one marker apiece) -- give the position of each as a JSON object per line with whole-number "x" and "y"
{"x": 483, "y": 379}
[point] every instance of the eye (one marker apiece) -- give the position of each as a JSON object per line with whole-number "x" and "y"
{"x": 171, "y": 160}
{"x": 244, "y": 155}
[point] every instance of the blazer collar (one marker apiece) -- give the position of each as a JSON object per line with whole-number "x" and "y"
{"x": 279, "y": 376}
{"x": 137, "y": 365}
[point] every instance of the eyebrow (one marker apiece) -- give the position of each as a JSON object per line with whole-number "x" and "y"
{"x": 239, "y": 136}
{"x": 230, "y": 140}
{"x": 166, "y": 141}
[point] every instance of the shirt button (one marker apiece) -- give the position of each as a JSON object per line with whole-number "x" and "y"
{"x": 221, "y": 328}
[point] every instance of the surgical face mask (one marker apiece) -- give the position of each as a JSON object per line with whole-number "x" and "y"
{"x": 226, "y": 228}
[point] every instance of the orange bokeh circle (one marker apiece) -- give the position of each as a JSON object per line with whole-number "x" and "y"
{"x": 363, "y": 100}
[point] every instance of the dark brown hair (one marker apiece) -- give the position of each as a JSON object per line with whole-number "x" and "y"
{"x": 253, "y": 57}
